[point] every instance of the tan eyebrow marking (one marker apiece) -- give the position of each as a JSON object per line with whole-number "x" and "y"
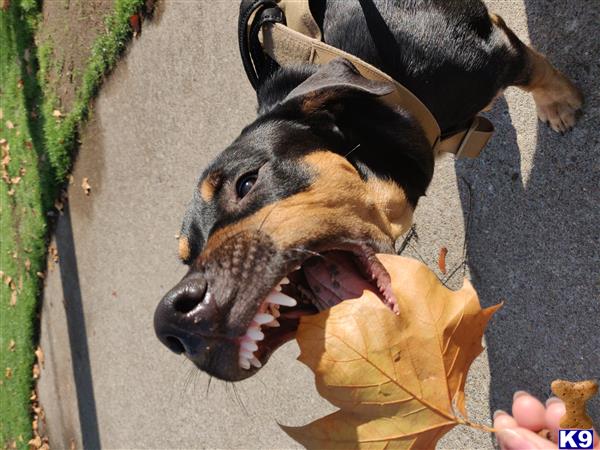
{"x": 184, "y": 248}
{"x": 209, "y": 186}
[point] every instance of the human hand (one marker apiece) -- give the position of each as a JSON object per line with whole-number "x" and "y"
{"x": 529, "y": 416}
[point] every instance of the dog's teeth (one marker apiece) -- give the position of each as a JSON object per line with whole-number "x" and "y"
{"x": 273, "y": 324}
{"x": 262, "y": 318}
{"x": 246, "y": 354}
{"x": 285, "y": 280}
{"x": 255, "y": 362}
{"x": 255, "y": 334}
{"x": 281, "y": 299}
{"x": 296, "y": 268}
{"x": 249, "y": 346}
{"x": 278, "y": 288}
{"x": 244, "y": 363}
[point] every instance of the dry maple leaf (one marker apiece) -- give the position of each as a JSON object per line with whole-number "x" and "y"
{"x": 86, "y": 186}
{"x": 135, "y": 21}
{"x": 442, "y": 260}
{"x": 398, "y": 380}
{"x": 40, "y": 356}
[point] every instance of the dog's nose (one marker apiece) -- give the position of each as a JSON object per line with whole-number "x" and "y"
{"x": 184, "y": 316}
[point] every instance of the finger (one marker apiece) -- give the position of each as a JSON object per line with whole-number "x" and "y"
{"x": 522, "y": 439}
{"x": 555, "y": 409}
{"x": 504, "y": 420}
{"x": 528, "y": 411}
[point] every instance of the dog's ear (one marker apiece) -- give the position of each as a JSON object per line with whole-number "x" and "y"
{"x": 334, "y": 82}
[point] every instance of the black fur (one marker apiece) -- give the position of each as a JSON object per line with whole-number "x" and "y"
{"x": 446, "y": 52}
{"x": 449, "y": 53}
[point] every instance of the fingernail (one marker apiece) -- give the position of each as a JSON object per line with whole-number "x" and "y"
{"x": 498, "y": 412}
{"x": 518, "y": 394}
{"x": 511, "y": 440}
{"x": 553, "y": 400}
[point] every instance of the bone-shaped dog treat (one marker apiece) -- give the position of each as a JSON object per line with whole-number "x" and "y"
{"x": 575, "y": 395}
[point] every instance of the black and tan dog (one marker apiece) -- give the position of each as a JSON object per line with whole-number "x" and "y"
{"x": 287, "y": 220}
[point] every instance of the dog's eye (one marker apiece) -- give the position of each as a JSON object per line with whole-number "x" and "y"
{"x": 245, "y": 184}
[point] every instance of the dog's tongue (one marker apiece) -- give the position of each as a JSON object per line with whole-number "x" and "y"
{"x": 334, "y": 278}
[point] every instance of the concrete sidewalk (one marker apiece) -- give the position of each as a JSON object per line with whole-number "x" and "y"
{"x": 180, "y": 96}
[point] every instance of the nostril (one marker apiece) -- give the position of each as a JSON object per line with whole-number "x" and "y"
{"x": 188, "y": 300}
{"x": 185, "y": 303}
{"x": 174, "y": 344}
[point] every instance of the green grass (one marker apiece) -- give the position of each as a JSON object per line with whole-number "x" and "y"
{"x": 41, "y": 150}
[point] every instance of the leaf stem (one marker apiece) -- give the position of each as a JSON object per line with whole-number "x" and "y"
{"x": 477, "y": 426}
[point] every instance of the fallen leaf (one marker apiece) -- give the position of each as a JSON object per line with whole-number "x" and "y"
{"x": 11, "y": 345}
{"x": 36, "y": 442}
{"x": 39, "y": 354}
{"x": 86, "y": 186}
{"x": 56, "y": 113}
{"x": 27, "y": 265}
{"x": 5, "y": 5}
{"x": 53, "y": 251}
{"x": 20, "y": 84}
{"x": 135, "y": 21}
{"x": 9, "y": 125}
{"x": 35, "y": 371}
{"x": 41, "y": 275}
{"x": 13, "y": 298}
{"x": 442, "y": 260}
{"x": 398, "y": 380}
{"x": 8, "y": 373}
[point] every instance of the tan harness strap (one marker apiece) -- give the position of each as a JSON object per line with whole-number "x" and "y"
{"x": 287, "y": 46}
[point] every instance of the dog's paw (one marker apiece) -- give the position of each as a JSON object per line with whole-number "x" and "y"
{"x": 558, "y": 103}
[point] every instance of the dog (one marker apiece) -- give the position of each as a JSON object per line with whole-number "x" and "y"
{"x": 287, "y": 220}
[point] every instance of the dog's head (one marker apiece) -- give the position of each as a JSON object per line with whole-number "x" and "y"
{"x": 287, "y": 220}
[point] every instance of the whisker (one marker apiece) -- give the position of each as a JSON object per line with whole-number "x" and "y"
{"x": 208, "y": 385}
{"x": 357, "y": 145}
{"x": 412, "y": 234}
{"x": 239, "y": 399}
{"x": 463, "y": 264}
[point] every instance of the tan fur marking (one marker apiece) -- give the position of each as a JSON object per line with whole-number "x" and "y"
{"x": 392, "y": 200}
{"x": 338, "y": 203}
{"x": 209, "y": 185}
{"x": 184, "y": 248}
{"x": 557, "y": 99}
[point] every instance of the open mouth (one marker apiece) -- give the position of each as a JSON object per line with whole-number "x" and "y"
{"x": 318, "y": 283}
